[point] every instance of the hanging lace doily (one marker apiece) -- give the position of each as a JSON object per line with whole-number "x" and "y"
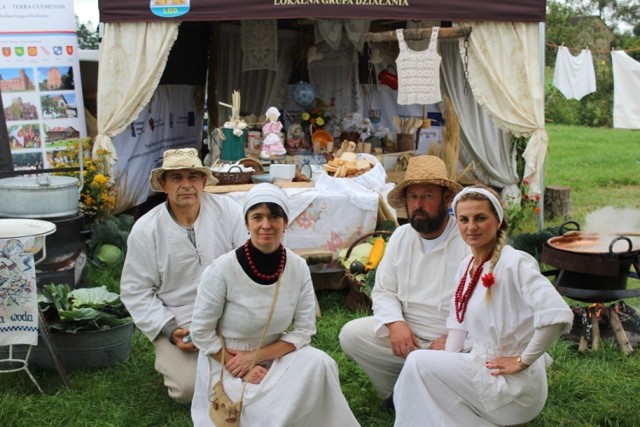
{"x": 259, "y": 41}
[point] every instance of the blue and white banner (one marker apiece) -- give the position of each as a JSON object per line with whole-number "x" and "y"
{"x": 170, "y": 120}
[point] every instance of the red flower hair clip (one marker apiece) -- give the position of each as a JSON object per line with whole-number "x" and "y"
{"x": 488, "y": 280}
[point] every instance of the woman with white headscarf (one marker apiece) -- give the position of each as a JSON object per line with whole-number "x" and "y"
{"x": 509, "y": 312}
{"x": 287, "y": 382}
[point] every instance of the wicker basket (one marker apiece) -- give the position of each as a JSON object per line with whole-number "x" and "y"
{"x": 356, "y": 298}
{"x": 232, "y": 177}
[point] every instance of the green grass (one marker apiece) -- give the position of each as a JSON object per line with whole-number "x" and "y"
{"x": 600, "y": 166}
{"x": 585, "y": 389}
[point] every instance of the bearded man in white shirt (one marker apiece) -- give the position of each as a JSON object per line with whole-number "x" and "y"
{"x": 414, "y": 280}
{"x": 167, "y": 250}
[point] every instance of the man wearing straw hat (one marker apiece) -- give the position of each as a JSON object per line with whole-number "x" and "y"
{"x": 413, "y": 286}
{"x": 168, "y": 248}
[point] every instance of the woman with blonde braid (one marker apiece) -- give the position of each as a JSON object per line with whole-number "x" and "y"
{"x": 508, "y": 311}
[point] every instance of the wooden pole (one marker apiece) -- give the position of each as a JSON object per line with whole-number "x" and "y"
{"x": 595, "y": 330}
{"x": 618, "y": 332}
{"x": 584, "y": 336}
{"x": 417, "y": 34}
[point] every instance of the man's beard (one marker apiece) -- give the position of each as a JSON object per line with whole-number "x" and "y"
{"x": 428, "y": 224}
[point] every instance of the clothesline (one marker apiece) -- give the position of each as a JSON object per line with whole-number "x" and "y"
{"x": 578, "y": 49}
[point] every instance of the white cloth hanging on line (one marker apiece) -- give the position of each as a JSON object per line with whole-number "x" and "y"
{"x": 626, "y": 87}
{"x": 574, "y": 76}
{"x": 418, "y": 72}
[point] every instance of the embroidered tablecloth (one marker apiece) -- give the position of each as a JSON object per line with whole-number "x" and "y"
{"x": 18, "y": 295}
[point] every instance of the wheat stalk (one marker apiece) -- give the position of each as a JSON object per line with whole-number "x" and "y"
{"x": 449, "y": 150}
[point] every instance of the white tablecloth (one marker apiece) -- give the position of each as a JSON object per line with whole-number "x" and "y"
{"x": 323, "y": 221}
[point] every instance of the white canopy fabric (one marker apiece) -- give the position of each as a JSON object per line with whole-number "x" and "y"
{"x": 504, "y": 74}
{"x": 487, "y": 146}
{"x": 132, "y": 59}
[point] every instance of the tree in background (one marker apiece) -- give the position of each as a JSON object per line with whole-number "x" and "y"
{"x": 619, "y": 15}
{"x": 87, "y": 38}
{"x": 566, "y": 24}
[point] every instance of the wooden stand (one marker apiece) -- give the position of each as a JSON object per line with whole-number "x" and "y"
{"x": 591, "y": 328}
{"x": 557, "y": 201}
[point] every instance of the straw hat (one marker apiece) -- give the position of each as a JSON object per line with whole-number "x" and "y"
{"x": 181, "y": 158}
{"x": 421, "y": 170}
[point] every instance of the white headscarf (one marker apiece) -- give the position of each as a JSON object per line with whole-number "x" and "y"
{"x": 265, "y": 193}
{"x": 493, "y": 199}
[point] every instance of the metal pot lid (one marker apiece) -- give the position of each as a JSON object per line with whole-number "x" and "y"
{"x": 13, "y": 228}
{"x": 32, "y": 183}
{"x": 594, "y": 243}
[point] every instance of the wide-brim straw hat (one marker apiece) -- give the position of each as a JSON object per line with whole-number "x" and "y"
{"x": 421, "y": 170}
{"x": 181, "y": 158}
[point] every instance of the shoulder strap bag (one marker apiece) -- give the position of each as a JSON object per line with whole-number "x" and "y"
{"x": 222, "y": 411}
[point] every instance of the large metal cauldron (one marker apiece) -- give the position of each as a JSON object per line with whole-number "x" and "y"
{"x": 39, "y": 197}
{"x": 592, "y": 267}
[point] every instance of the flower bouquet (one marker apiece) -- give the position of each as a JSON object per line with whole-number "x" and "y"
{"x": 317, "y": 115}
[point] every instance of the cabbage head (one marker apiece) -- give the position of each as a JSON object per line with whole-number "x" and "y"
{"x": 108, "y": 254}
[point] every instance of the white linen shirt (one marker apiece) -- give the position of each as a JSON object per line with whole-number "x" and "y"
{"x": 162, "y": 268}
{"x": 233, "y": 304}
{"x": 521, "y": 300}
{"x": 415, "y": 286}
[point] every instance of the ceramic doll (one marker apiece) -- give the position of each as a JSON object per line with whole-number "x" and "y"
{"x": 271, "y": 141}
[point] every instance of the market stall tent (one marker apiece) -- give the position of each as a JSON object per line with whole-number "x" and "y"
{"x": 502, "y": 64}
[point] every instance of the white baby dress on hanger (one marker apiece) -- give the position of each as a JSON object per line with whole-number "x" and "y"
{"x": 418, "y": 72}
{"x": 574, "y": 76}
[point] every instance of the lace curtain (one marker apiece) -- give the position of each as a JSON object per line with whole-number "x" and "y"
{"x": 259, "y": 89}
{"x": 504, "y": 75}
{"x": 127, "y": 85}
{"x": 335, "y": 76}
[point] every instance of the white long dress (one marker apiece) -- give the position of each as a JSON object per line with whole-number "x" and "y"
{"x": 301, "y": 388}
{"x": 438, "y": 388}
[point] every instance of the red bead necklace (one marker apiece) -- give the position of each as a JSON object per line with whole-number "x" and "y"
{"x": 266, "y": 277}
{"x": 462, "y": 297}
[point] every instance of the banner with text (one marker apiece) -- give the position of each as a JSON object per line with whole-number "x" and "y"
{"x": 40, "y": 79}
{"x": 171, "y": 120}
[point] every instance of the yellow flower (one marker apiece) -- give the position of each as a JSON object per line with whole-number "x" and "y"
{"x": 88, "y": 201}
{"x": 306, "y": 116}
{"x": 320, "y": 121}
{"x": 96, "y": 199}
{"x": 100, "y": 179}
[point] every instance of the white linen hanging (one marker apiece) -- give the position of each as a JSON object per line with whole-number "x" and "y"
{"x": 574, "y": 76}
{"x": 418, "y": 72}
{"x": 330, "y": 31}
{"x": 505, "y": 77}
{"x": 335, "y": 77}
{"x": 126, "y": 86}
{"x": 495, "y": 162}
{"x": 626, "y": 87}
